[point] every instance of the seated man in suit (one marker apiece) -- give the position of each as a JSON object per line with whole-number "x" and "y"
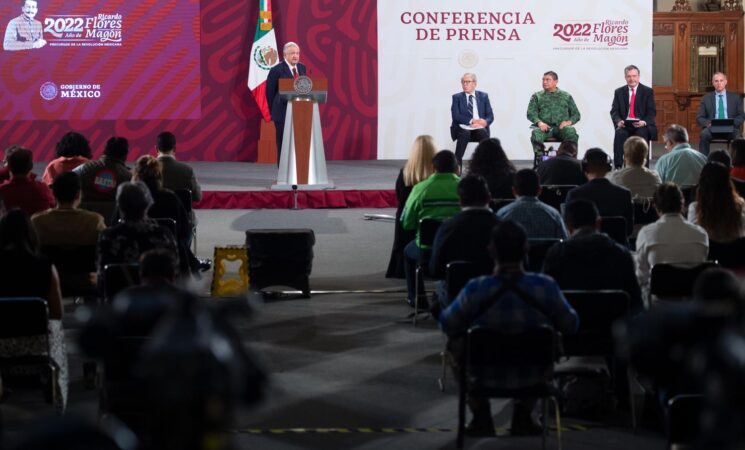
{"x": 436, "y": 197}
{"x": 564, "y": 169}
{"x": 470, "y": 109}
{"x": 635, "y": 102}
{"x": 553, "y": 113}
{"x": 540, "y": 220}
{"x": 465, "y": 236}
{"x": 720, "y": 104}
{"x": 512, "y": 301}
{"x": 610, "y": 199}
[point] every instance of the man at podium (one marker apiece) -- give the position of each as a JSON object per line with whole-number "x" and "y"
{"x": 720, "y": 104}
{"x": 289, "y": 68}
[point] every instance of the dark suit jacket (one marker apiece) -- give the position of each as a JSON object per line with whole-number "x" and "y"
{"x": 459, "y": 111}
{"x": 278, "y": 105}
{"x": 707, "y": 109}
{"x": 564, "y": 169}
{"x": 610, "y": 199}
{"x": 463, "y": 237}
{"x": 644, "y": 107}
{"x": 177, "y": 175}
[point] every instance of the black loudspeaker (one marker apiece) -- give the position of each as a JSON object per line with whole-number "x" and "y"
{"x": 596, "y": 156}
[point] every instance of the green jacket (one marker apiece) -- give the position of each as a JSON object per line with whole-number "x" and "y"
{"x": 436, "y": 197}
{"x": 552, "y": 108}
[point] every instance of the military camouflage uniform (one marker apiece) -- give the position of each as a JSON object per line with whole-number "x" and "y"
{"x": 552, "y": 108}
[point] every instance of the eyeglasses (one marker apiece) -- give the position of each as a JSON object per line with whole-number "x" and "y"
{"x": 466, "y": 81}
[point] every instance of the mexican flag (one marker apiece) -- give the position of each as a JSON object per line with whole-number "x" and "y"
{"x": 263, "y": 57}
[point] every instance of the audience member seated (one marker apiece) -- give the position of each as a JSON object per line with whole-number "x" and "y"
{"x": 417, "y": 168}
{"x": 723, "y": 157}
{"x": 671, "y": 239}
{"x": 66, "y": 224}
{"x": 641, "y": 181}
{"x": 718, "y": 208}
{"x": 511, "y": 301}
{"x": 564, "y": 169}
{"x": 99, "y": 178}
{"x": 609, "y": 199}
{"x": 436, "y": 197}
{"x": 539, "y": 220}
{"x": 465, "y": 236}
{"x": 72, "y": 150}
{"x": 682, "y": 164}
{"x": 135, "y": 234}
{"x": 4, "y": 170}
{"x": 737, "y": 152}
{"x": 176, "y": 175}
{"x": 591, "y": 260}
{"x": 21, "y": 191}
{"x": 490, "y": 161}
{"x": 25, "y": 273}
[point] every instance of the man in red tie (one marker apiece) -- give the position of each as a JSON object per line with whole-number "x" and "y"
{"x": 633, "y": 113}
{"x": 289, "y": 68}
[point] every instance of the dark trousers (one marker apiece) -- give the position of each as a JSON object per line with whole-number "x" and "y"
{"x": 706, "y": 137}
{"x": 621, "y": 135}
{"x": 280, "y": 127}
{"x": 466, "y": 136}
{"x": 411, "y": 255}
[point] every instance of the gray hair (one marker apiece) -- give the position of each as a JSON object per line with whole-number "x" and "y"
{"x": 469, "y": 74}
{"x": 718, "y": 73}
{"x": 133, "y": 199}
{"x": 288, "y": 45}
{"x": 676, "y": 134}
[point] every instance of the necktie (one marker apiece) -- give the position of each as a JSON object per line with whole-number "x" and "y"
{"x": 470, "y": 105}
{"x": 632, "y": 104}
{"x": 722, "y": 112}
{"x": 294, "y": 72}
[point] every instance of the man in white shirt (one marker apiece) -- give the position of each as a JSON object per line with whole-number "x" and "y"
{"x": 671, "y": 239}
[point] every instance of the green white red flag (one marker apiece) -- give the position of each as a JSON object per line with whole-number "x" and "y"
{"x": 263, "y": 56}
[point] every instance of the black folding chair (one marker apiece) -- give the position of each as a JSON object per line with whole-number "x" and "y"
{"x": 728, "y": 254}
{"x": 168, "y": 224}
{"x": 22, "y": 317}
{"x": 106, "y": 209}
{"x": 683, "y": 420}
{"x": 427, "y": 230}
{"x": 598, "y": 310}
{"x": 118, "y": 277}
{"x": 491, "y": 352}
{"x": 555, "y": 194}
{"x": 615, "y": 228}
{"x": 537, "y": 250}
{"x": 74, "y": 264}
{"x": 644, "y": 212}
{"x": 674, "y": 281}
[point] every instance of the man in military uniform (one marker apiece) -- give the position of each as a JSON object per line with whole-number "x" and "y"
{"x": 552, "y": 113}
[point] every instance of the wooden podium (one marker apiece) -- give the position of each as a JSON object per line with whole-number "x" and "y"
{"x": 303, "y": 161}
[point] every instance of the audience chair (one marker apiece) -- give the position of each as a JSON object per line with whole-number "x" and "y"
{"x": 106, "y": 209}
{"x": 689, "y": 194}
{"x": 555, "y": 194}
{"x": 674, "y": 281}
{"x": 598, "y": 310}
{"x": 538, "y": 159}
{"x": 615, "y": 228}
{"x": 498, "y": 203}
{"x": 644, "y": 212}
{"x": 25, "y": 317}
{"x": 537, "y": 250}
{"x": 427, "y": 230}
{"x": 168, "y": 224}
{"x": 683, "y": 420}
{"x": 457, "y": 274}
{"x": 75, "y": 264}
{"x": 728, "y": 254}
{"x": 185, "y": 196}
{"x": 490, "y": 352}
{"x": 117, "y": 277}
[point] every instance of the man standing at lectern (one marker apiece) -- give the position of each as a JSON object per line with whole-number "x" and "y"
{"x": 720, "y": 104}
{"x": 633, "y": 104}
{"x": 289, "y": 68}
{"x": 472, "y": 115}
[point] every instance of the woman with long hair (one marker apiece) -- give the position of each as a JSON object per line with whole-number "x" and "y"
{"x": 72, "y": 151}
{"x": 737, "y": 152}
{"x": 718, "y": 208}
{"x": 490, "y": 161}
{"x": 417, "y": 168}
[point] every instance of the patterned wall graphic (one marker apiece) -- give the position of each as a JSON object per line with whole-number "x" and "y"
{"x": 198, "y": 92}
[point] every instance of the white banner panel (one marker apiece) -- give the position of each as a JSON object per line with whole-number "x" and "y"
{"x": 425, "y": 46}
